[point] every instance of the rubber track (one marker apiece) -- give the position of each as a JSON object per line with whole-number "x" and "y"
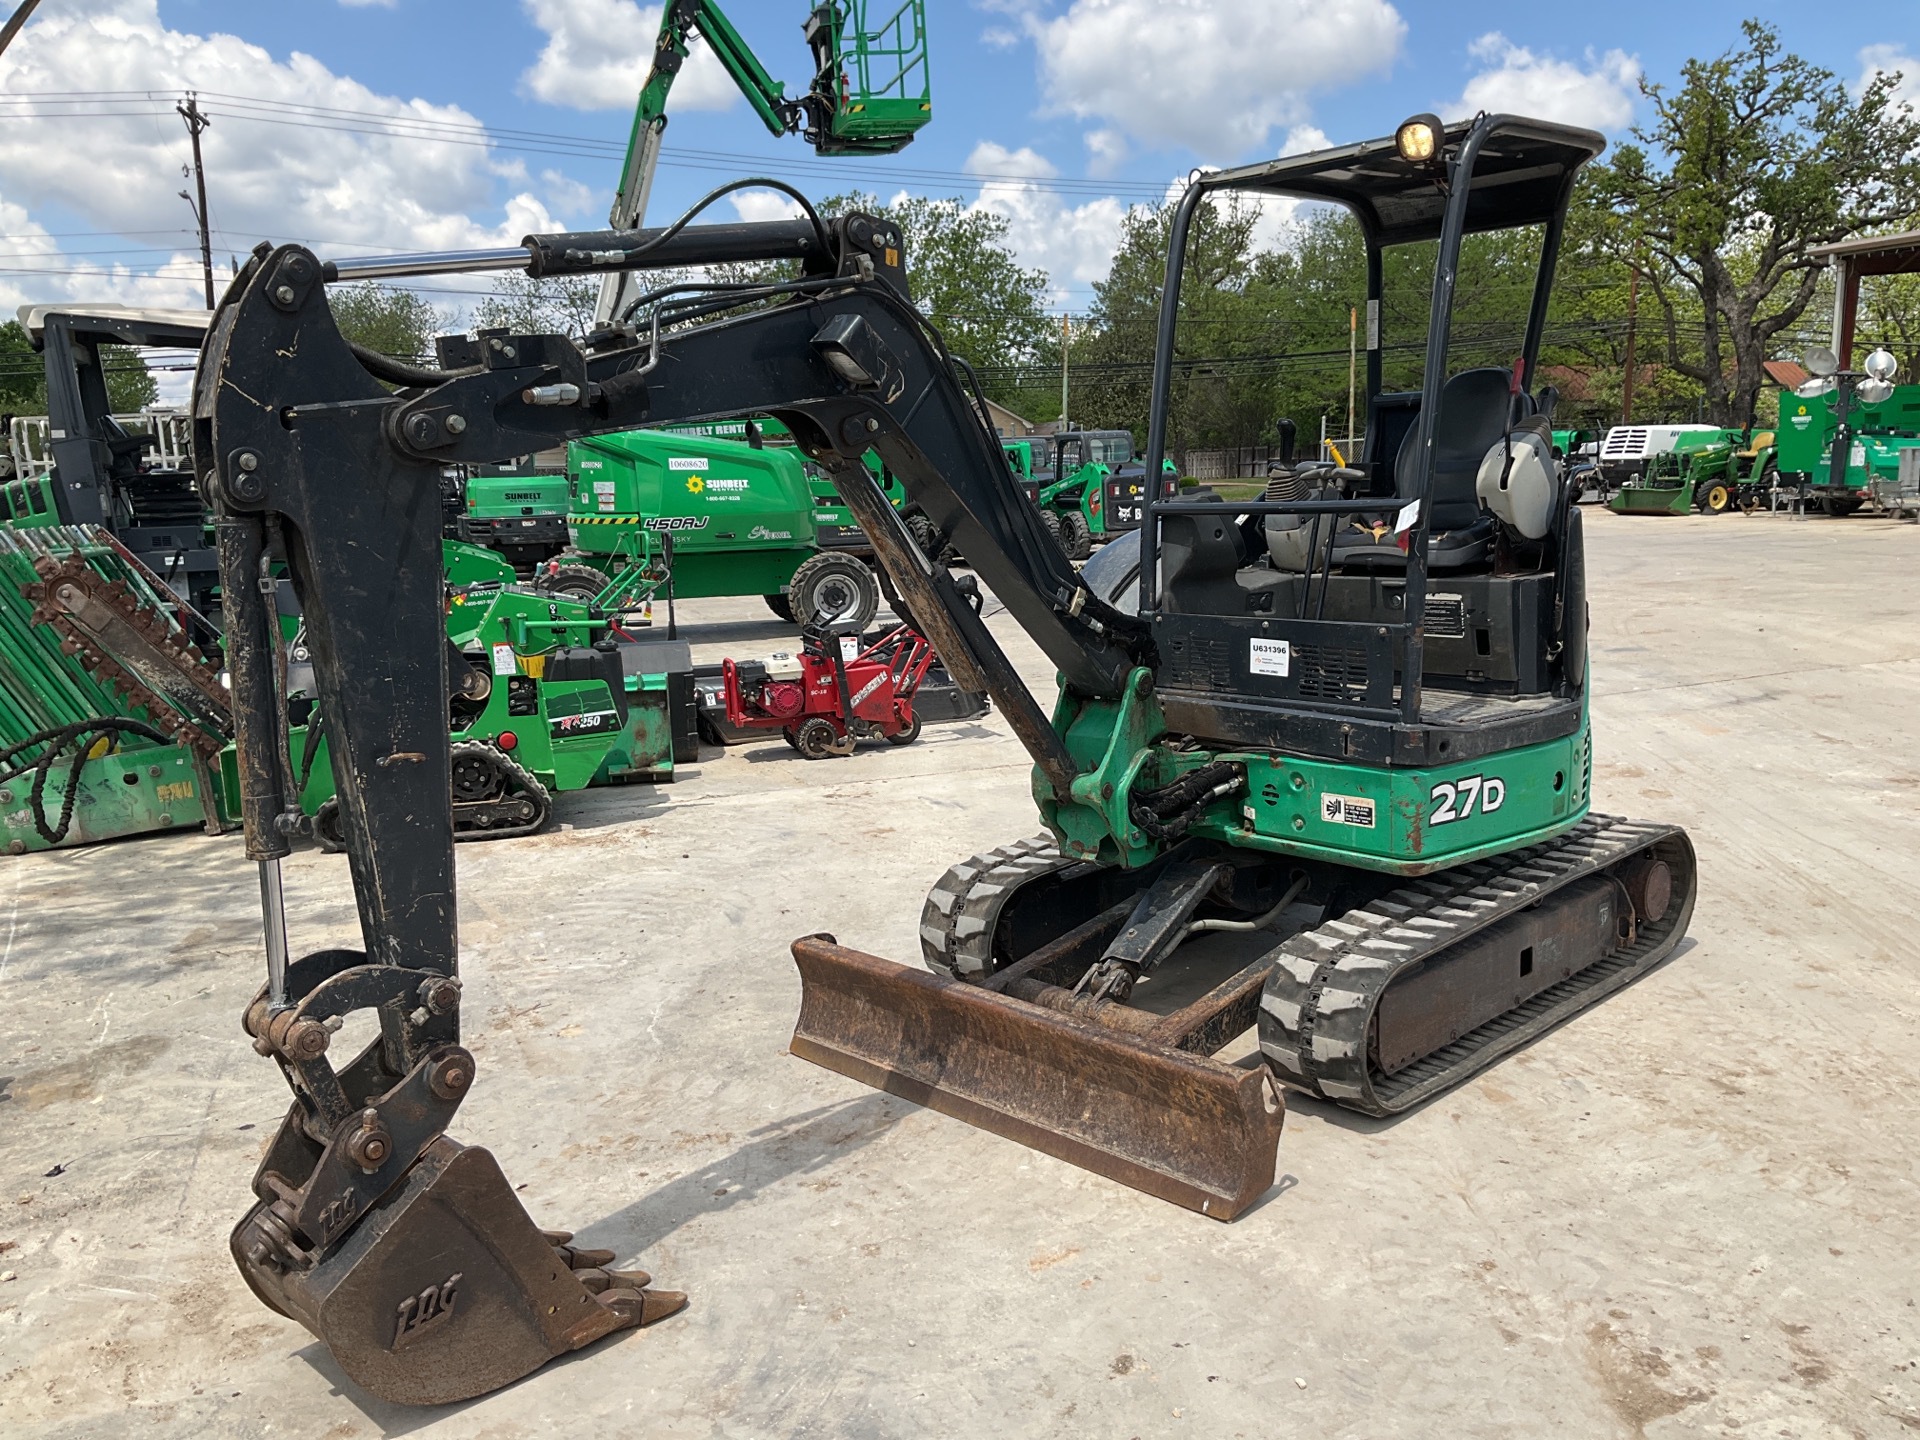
{"x": 962, "y": 912}
{"x": 519, "y": 780}
{"x": 1318, "y": 1004}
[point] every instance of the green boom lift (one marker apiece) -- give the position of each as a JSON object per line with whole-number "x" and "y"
{"x": 869, "y": 96}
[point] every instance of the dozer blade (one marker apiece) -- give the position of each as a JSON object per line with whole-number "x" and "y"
{"x": 446, "y": 1290}
{"x": 1133, "y": 1107}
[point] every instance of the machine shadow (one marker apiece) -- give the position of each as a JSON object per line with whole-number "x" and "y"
{"x": 782, "y": 1150}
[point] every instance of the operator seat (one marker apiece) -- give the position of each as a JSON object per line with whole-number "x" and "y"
{"x": 1475, "y": 406}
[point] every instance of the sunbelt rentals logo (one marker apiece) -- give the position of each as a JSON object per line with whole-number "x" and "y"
{"x": 696, "y": 484}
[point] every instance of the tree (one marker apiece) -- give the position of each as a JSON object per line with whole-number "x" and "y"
{"x": 23, "y": 377}
{"x": 23, "y": 380}
{"x": 399, "y": 323}
{"x": 1222, "y": 392}
{"x": 1758, "y": 156}
{"x": 966, "y": 280}
{"x": 543, "y": 305}
{"x": 1890, "y": 316}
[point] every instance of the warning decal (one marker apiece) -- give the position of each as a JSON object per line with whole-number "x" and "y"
{"x": 1347, "y": 810}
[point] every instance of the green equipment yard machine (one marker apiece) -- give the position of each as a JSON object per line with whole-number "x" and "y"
{"x": 1843, "y": 433}
{"x": 111, "y": 723}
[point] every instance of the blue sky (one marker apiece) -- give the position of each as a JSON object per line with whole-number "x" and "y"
{"x": 1093, "y": 104}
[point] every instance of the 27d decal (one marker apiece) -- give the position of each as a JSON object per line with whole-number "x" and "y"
{"x": 1455, "y": 800}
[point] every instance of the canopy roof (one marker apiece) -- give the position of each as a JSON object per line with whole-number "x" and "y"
{"x": 1875, "y": 254}
{"x": 1522, "y": 175}
{"x": 130, "y": 324}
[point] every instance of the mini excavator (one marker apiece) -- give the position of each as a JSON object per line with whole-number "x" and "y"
{"x": 1344, "y": 727}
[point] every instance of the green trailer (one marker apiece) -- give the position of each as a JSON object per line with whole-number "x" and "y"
{"x": 1880, "y": 432}
{"x": 711, "y": 517}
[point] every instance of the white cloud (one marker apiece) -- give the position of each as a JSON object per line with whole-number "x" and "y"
{"x": 568, "y": 197}
{"x": 1213, "y": 75}
{"x": 1599, "y": 94}
{"x": 1876, "y": 60}
{"x": 1074, "y": 244}
{"x": 302, "y": 180}
{"x": 999, "y": 37}
{"x": 1304, "y": 138}
{"x": 1107, "y": 151}
{"x": 365, "y": 4}
{"x": 765, "y": 205}
{"x": 597, "y": 54}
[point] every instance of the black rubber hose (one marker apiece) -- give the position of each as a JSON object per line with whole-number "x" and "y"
{"x": 399, "y": 372}
{"x": 80, "y": 738}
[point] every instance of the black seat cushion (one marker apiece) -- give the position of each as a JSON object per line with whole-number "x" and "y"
{"x": 1474, "y": 406}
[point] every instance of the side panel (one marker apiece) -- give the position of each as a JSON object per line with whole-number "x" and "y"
{"x": 1408, "y": 821}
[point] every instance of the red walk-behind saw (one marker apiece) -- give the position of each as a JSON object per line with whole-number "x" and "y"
{"x": 834, "y": 693}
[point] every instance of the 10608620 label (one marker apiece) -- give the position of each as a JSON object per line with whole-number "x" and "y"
{"x": 1456, "y": 799}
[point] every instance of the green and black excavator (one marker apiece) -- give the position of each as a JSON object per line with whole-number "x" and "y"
{"x": 1317, "y": 771}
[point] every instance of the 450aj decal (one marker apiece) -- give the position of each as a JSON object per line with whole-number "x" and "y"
{"x": 1455, "y": 800}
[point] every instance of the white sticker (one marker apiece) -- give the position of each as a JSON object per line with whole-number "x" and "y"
{"x": 1269, "y": 657}
{"x": 603, "y": 487}
{"x": 504, "y": 660}
{"x": 1373, "y": 324}
{"x": 686, "y": 462}
{"x": 849, "y": 647}
{"x": 1409, "y": 517}
{"x": 1347, "y": 810}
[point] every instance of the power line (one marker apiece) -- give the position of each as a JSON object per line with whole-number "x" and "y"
{"x": 132, "y": 103}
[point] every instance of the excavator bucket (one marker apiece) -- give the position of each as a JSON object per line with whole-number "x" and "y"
{"x": 1125, "y": 1093}
{"x": 446, "y": 1289}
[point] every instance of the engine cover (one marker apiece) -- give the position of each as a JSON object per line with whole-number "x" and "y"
{"x": 783, "y": 699}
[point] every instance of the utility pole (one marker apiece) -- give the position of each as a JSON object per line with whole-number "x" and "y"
{"x": 19, "y": 17}
{"x": 1066, "y": 338}
{"x": 1633, "y": 312}
{"x": 189, "y": 111}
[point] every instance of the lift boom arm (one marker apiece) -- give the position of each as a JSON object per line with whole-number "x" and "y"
{"x": 680, "y": 22}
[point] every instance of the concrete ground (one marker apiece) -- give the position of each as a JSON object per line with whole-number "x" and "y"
{"x": 1691, "y": 1211}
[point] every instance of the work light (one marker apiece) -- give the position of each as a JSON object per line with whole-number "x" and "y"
{"x": 1418, "y": 139}
{"x": 1881, "y": 365}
